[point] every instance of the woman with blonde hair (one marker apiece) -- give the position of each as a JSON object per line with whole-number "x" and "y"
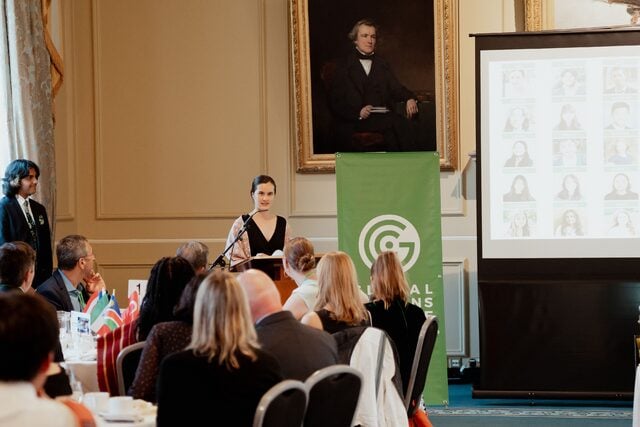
{"x": 391, "y": 310}
{"x": 299, "y": 262}
{"x": 340, "y": 300}
{"x": 223, "y": 371}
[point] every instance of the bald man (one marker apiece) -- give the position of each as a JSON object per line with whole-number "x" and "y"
{"x": 300, "y": 349}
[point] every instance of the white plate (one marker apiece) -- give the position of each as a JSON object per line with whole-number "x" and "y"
{"x": 133, "y": 418}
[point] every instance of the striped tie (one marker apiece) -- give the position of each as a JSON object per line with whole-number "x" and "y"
{"x": 32, "y": 224}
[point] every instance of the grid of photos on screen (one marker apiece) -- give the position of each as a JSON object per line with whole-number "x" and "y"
{"x": 578, "y": 149}
{"x": 570, "y": 145}
{"x": 519, "y": 165}
{"x": 620, "y": 148}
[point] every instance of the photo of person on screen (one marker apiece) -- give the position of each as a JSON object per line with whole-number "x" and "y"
{"x": 519, "y": 226}
{"x": 569, "y": 152}
{"x": 569, "y": 84}
{"x": 618, "y": 81}
{"x": 517, "y": 120}
{"x": 568, "y": 119}
{"x": 570, "y": 188}
{"x": 620, "y": 116}
{"x": 621, "y": 152}
{"x": 519, "y": 191}
{"x": 569, "y": 225}
{"x": 519, "y": 156}
{"x": 622, "y": 225}
{"x": 516, "y": 84}
{"x": 621, "y": 189}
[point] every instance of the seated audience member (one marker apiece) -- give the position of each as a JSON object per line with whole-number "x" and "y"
{"x": 223, "y": 373}
{"x": 164, "y": 339}
{"x": 196, "y": 253}
{"x": 340, "y": 302}
{"x": 17, "y": 270}
{"x": 64, "y": 289}
{"x": 392, "y": 312}
{"x": 28, "y": 338}
{"x": 17, "y": 267}
{"x": 299, "y": 262}
{"x": 299, "y": 349}
{"x": 167, "y": 280}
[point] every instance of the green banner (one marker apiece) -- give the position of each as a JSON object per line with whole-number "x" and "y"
{"x": 391, "y": 201}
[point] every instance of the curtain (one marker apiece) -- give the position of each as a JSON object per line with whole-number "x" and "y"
{"x": 25, "y": 69}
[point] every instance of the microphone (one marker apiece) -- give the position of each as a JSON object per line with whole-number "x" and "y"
{"x": 245, "y": 225}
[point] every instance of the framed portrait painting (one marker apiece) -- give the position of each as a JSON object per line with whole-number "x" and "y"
{"x": 373, "y": 75}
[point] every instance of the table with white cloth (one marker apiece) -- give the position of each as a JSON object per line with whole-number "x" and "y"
{"x": 80, "y": 360}
{"x": 147, "y": 421}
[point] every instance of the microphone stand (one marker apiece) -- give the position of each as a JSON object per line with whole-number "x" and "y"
{"x": 220, "y": 260}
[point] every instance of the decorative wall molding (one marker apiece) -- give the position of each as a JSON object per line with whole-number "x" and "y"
{"x": 455, "y": 296}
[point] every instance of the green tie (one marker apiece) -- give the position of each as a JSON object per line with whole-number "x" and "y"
{"x": 78, "y": 295}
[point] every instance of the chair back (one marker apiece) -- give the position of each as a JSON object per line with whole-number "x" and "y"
{"x": 126, "y": 366}
{"x": 333, "y": 394}
{"x": 282, "y": 406}
{"x": 420, "y": 366}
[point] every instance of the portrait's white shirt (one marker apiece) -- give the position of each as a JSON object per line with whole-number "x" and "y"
{"x": 22, "y": 407}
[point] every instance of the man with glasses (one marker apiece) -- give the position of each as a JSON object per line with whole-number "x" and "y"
{"x": 65, "y": 288}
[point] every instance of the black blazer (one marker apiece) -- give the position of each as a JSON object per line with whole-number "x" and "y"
{"x": 54, "y": 291}
{"x": 14, "y": 227}
{"x": 299, "y": 349}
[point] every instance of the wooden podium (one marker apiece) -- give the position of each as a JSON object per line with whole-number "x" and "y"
{"x": 272, "y": 266}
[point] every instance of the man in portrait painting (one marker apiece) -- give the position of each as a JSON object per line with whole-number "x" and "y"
{"x": 362, "y": 95}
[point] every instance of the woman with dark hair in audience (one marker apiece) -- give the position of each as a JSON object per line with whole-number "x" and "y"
{"x": 167, "y": 280}
{"x": 340, "y": 303}
{"x": 165, "y": 338}
{"x": 299, "y": 262}
{"x": 392, "y": 312}
{"x": 222, "y": 374}
{"x": 266, "y": 232}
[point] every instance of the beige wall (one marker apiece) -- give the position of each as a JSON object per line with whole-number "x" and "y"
{"x": 170, "y": 107}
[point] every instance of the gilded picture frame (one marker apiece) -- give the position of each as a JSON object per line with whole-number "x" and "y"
{"x": 446, "y": 88}
{"x": 552, "y": 14}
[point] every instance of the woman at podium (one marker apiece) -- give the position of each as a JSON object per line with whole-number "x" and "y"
{"x": 264, "y": 233}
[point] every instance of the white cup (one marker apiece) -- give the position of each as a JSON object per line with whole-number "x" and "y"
{"x": 121, "y": 405}
{"x": 96, "y": 401}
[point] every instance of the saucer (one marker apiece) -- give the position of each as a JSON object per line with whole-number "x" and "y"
{"x": 132, "y": 418}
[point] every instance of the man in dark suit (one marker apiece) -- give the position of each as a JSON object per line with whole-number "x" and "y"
{"x": 363, "y": 93}
{"x": 24, "y": 219}
{"x": 64, "y": 289}
{"x": 299, "y": 349}
{"x": 17, "y": 262}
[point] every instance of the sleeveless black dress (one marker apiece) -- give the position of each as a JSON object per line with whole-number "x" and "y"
{"x": 259, "y": 244}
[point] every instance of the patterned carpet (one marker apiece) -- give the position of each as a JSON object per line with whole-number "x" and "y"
{"x": 461, "y": 405}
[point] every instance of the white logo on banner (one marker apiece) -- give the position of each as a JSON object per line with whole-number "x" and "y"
{"x": 389, "y": 233}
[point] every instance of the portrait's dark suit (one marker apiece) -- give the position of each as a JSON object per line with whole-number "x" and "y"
{"x": 351, "y": 89}
{"x": 54, "y": 291}
{"x": 14, "y": 227}
{"x": 299, "y": 349}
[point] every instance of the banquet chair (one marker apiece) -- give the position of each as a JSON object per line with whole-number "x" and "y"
{"x": 126, "y": 366}
{"x": 283, "y": 405}
{"x": 333, "y": 393}
{"x": 422, "y": 357}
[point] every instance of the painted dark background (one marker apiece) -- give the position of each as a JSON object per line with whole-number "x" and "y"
{"x": 405, "y": 40}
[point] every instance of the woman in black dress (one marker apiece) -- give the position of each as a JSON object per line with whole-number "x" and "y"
{"x": 266, "y": 232}
{"x": 392, "y": 312}
{"x": 340, "y": 303}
